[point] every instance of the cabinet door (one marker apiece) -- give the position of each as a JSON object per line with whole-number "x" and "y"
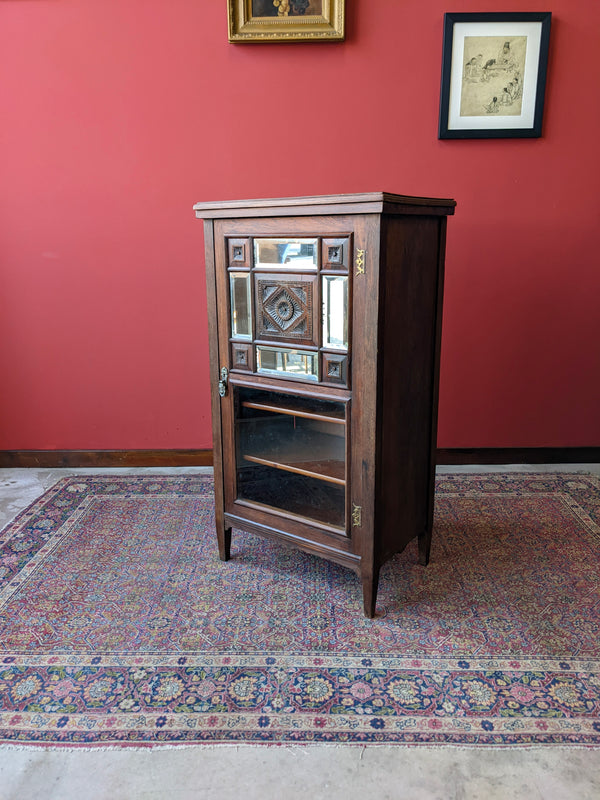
{"x": 290, "y": 454}
{"x": 284, "y": 335}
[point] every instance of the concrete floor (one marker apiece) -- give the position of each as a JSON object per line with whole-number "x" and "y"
{"x": 252, "y": 772}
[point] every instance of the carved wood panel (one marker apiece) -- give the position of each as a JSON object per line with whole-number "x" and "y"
{"x": 286, "y": 308}
{"x": 242, "y": 357}
{"x": 334, "y": 368}
{"x": 238, "y": 253}
{"x": 334, "y": 253}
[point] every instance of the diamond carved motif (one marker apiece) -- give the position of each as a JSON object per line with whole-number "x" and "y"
{"x": 285, "y": 309}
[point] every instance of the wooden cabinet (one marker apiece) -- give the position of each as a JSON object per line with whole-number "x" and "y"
{"x": 325, "y": 317}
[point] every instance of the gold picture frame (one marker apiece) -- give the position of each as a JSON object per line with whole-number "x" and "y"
{"x": 286, "y": 20}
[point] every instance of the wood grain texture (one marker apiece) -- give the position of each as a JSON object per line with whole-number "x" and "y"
{"x": 407, "y": 399}
{"x": 372, "y": 202}
{"x": 215, "y": 358}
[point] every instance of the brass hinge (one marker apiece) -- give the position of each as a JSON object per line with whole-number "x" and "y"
{"x": 360, "y": 262}
{"x": 356, "y": 516}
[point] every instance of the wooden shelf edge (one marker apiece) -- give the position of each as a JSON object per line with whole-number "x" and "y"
{"x": 295, "y": 469}
{"x": 294, "y": 412}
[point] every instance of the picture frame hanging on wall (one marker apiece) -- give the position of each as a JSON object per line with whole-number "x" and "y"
{"x": 286, "y": 20}
{"x": 493, "y": 75}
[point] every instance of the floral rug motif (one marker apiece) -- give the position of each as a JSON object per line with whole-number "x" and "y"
{"x": 120, "y": 626}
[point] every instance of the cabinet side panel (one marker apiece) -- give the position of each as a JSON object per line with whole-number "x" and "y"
{"x": 413, "y": 266}
{"x": 366, "y": 335}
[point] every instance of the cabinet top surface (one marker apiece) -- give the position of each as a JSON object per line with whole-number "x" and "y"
{"x": 372, "y": 202}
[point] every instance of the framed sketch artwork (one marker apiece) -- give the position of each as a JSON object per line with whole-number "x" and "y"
{"x": 285, "y": 20}
{"x": 493, "y": 75}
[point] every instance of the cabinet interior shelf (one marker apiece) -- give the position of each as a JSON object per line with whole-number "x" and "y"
{"x": 320, "y": 457}
{"x": 324, "y": 416}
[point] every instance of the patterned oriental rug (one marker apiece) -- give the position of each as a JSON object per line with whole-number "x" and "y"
{"x": 120, "y": 626}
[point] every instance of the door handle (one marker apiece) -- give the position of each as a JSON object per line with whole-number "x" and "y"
{"x": 223, "y": 382}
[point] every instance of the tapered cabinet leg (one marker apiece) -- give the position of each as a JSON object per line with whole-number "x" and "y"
{"x": 224, "y": 541}
{"x": 370, "y": 584}
{"x": 424, "y": 547}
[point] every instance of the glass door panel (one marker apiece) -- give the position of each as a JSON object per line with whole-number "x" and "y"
{"x": 291, "y": 454}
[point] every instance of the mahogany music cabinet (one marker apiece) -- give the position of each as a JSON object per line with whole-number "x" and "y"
{"x": 324, "y": 320}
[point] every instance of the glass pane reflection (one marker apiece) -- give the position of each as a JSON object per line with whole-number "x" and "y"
{"x": 241, "y": 309}
{"x": 284, "y": 361}
{"x": 335, "y": 312}
{"x": 296, "y": 254}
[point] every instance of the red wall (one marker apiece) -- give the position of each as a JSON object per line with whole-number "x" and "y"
{"x": 117, "y": 115}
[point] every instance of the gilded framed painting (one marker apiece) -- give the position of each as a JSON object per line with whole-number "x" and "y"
{"x": 493, "y": 75}
{"x": 286, "y": 20}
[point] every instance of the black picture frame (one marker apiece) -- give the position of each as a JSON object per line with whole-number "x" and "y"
{"x": 494, "y": 69}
